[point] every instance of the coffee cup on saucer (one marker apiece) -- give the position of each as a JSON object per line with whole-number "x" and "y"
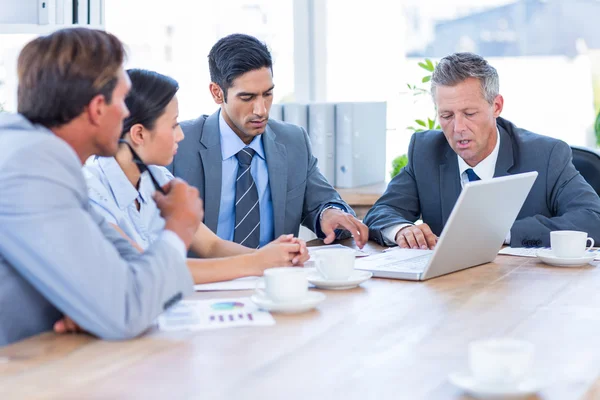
{"x": 285, "y": 284}
{"x": 286, "y": 291}
{"x": 335, "y": 264}
{"x": 570, "y": 244}
{"x": 501, "y": 362}
{"x": 499, "y": 369}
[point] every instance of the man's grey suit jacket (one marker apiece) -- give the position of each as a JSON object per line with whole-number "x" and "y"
{"x": 59, "y": 257}
{"x": 429, "y": 186}
{"x": 298, "y": 189}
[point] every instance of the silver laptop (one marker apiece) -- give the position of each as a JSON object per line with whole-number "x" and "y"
{"x": 473, "y": 235}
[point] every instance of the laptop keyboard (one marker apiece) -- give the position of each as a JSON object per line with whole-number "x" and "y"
{"x": 416, "y": 264}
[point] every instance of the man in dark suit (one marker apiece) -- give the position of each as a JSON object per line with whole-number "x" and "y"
{"x": 258, "y": 177}
{"x": 477, "y": 144}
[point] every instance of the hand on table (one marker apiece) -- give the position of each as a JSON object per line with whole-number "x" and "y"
{"x": 416, "y": 237}
{"x": 66, "y": 325}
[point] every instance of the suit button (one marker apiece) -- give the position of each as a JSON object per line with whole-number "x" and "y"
{"x": 524, "y": 243}
{"x": 538, "y": 242}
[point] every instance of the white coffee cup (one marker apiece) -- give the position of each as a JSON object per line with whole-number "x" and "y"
{"x": 500, "y": 362}
{"x": 285, "y": 284}
{"x": 570, "y": 244}
{"x": 334, "y": 264}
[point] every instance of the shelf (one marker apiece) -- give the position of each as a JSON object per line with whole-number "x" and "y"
{"x": 36, "y": 29}
{"x": 362, "y": 195}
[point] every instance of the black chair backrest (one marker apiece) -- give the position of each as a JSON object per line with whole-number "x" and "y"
{"x": 587, "y": 162}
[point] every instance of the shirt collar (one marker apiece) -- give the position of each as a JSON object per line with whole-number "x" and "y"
{"x": 231, "y": 144}
{"x": 486, "y": 167}
{"x": 122, "y": 190}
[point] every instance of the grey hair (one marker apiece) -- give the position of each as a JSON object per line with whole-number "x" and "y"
{"x": 457, "y": 67}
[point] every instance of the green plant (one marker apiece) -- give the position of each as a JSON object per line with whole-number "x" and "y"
{"x": 421, "y": 124}
{"x": 429, "y": 123}
{"x": 397, "y": 164}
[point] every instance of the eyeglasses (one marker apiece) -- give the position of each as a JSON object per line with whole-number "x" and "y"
{"x": 142, "y": 166}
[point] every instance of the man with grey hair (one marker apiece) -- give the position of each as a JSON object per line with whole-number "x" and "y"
{"x": 475, "y": 143}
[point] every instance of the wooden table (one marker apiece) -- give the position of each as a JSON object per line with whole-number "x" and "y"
{"x": 362, "y": 198}
{"x": 388, "y": 339}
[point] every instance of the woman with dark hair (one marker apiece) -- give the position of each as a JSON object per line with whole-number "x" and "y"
{"x": 118, "y": 191}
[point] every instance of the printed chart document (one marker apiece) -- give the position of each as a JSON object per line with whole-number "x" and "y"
{"x": 196, "y": 315}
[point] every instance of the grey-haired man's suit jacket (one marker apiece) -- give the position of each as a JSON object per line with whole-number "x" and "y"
{"x": 429, "y": 186}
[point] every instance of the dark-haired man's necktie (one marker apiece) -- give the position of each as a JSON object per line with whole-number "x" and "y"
{"x": 247, "y": 210}
{"x": 472, "y": 175}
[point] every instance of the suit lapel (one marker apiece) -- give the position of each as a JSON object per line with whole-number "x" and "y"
{"x": 212, "y": 162}
{"x": 276, "y": 155}
{"x": 505, "y": 154}
{"x": 449, "y": 184}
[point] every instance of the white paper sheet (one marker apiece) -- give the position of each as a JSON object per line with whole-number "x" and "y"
{"x": 532, "y": 251}
{"x": 520, "y": 251}
{"x": 357, "y": 253}
{"x": 256, "y": 282}
{"x": 390, "y": 260}
{"x": 194, "y": 315}
{"x": 247, "y": 283}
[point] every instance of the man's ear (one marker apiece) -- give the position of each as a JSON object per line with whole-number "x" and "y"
{"x": 498, "y": 105}
{"x": 217, "y": 93}
{"x": 96, "y": 109}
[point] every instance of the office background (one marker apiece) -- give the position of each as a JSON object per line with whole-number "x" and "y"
{"x": 358, "y": 50}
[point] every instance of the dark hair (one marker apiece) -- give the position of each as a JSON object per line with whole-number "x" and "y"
{"x": 234, "y": 55}
{"x": 59, "y": 74}
{"x": 150, "y": 94}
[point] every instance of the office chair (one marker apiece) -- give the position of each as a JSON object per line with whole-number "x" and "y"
{"x": 587, "y": 162}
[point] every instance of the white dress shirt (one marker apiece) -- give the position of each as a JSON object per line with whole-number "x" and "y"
{"x": 231, "y": 144}
{"x": 112, "y": 195}
{"x": 484, "y": 170}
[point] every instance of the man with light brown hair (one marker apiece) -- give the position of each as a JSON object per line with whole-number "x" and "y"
{"x": 57, "y": 257}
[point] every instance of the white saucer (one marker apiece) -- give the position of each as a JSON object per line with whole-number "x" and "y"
{"x": 353, "y": 281}
{"x": 549, "y": 258}
{"x": 308, "y": 303}
{"x": 466, "y": 382}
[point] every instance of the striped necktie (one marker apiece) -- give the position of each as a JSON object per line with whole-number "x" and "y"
{"x": 247, "y": 210}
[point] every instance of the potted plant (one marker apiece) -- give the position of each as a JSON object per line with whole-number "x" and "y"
{"x": 420, "y": 124}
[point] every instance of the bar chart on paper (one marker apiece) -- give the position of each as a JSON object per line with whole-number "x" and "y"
{"x": 213, "y": 314}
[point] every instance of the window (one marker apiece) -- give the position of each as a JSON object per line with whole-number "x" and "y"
{"x": 10, "y": 47}
{"x": 175, "y": 38}
{"x": 547, "y": 54}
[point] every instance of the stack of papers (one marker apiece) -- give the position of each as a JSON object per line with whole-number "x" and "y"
{"x": 195, "y": 315}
